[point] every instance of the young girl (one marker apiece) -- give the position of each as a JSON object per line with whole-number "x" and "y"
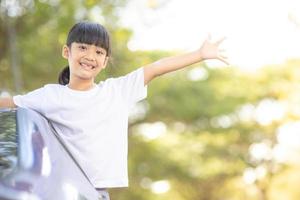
{"x": 92, "y": 118}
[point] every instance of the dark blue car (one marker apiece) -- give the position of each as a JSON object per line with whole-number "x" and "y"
{"x": 34, "y": 162}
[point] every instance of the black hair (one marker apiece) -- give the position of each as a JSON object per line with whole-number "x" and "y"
{"x": 88, "y": 33}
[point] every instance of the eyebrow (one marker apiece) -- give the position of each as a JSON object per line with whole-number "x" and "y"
{"x": 82, "y": 43}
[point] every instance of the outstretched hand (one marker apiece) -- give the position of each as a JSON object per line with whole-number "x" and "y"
{"x": 210, "y": 50}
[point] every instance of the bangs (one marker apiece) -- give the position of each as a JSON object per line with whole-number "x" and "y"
{"x": 90, "y": 33}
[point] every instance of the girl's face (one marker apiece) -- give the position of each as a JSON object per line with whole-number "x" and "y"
{"x": 85, "y": 60}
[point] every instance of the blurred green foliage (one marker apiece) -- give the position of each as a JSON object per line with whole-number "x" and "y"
{"x": 203, "y": 151}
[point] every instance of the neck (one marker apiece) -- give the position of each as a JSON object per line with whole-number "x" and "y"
{"x": 83, "y": 85}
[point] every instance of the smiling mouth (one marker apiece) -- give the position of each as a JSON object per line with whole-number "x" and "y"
{"x": 87, "y": 66}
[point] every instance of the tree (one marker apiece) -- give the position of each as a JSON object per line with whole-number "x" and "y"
{"x": 41, "y": 29}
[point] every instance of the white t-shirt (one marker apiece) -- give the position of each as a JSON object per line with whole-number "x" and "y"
{"x": 93, "y": 123}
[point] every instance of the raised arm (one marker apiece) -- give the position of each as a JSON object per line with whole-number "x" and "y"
{"x": 208, "y": 50}
{"x": 7, "y": 102}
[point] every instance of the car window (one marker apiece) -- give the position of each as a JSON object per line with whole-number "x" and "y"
{"x": 8, "y": 142}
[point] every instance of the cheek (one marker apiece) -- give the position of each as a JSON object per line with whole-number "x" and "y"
{"x": 97, "y": 70}
{"x": 74, "y": 59}
{"x": 101, "y": 60}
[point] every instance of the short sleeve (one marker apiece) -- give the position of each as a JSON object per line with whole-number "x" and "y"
{"x": 132, "y": 86}
{"x": 33, "y": 100}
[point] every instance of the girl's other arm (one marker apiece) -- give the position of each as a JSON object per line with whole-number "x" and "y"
{"x": 7, "y": 102}
{"x": 208, "y": 50}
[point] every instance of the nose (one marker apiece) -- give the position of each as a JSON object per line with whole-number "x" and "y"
{"x": 91, "y": 56}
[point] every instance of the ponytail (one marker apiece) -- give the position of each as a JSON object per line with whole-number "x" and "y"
{"x": 64, "y": 76}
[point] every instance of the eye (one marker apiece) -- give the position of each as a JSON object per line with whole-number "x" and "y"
{"x": 99, "y": 52}
{"x": 82, "y": 47}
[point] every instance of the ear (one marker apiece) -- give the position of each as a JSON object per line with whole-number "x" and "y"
{"x": 105, "y": 62}
{"x": 65, "y": 52}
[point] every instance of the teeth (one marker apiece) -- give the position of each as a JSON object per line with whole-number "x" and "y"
{"x": 87, "y": 65}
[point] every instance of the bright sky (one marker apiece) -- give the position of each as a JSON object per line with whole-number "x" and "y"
{"x": 258, "y": 32}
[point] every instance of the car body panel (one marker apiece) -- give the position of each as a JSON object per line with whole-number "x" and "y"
{"x": 44, "y": 169}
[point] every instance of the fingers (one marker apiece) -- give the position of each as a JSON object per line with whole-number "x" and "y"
{"x": 213, "y": 50}
{"x": 222, "y": 56}
{"x": 223, "y": 59}
{"x": 208, "y": 37}
{"x": 218, "y": 42}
